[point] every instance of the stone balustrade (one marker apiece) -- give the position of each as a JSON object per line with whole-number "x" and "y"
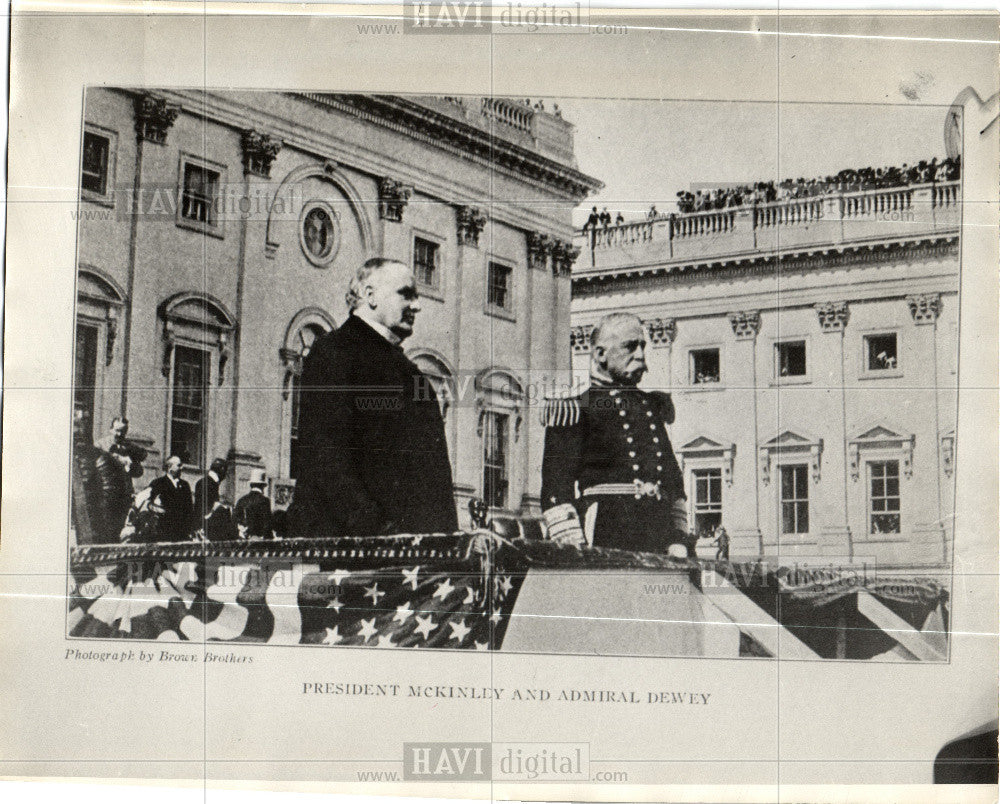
{"x": 832, "y": 219}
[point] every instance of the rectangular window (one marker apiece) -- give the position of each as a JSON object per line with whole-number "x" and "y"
{"x": 880, "y": 352}
{"x": 883, "y": 502}
{"x": 791, "y": 358}
{"x": 425, "y": 262}
{"x": 498, "y": 286}
{"x": 795, "y": 499}
{"x": 705, "y": 366}
{"x": 495, "y": 458}
{"x": 201, "y": 187}
{"x": 189, "y": 404}
{"x": 85, "y": 378}
{"x": 94, "y": 171}
{"x": 707, "y": 500}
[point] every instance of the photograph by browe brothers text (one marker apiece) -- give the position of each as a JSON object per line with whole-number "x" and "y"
{"x": 528, "y": 375}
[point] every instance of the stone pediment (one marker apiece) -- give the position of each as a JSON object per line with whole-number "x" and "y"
{"x": 879, "y": 433}
{"x": 880, "y": 436}
{"x": 701, "y": 444}
{"x": 790, "y": 439}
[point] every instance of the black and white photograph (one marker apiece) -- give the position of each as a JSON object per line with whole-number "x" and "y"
{"x": 727, "y": 411}
{"x": 599, "y": 400}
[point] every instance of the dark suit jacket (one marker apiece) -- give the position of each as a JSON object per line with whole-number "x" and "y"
{"x": 253, "y": 511}
{"x": 372, "y": 442}
{"x": 175, "y": 525}
{"x": 206, "y": 495}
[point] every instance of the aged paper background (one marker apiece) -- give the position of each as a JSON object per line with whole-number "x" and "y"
{"x": 772, "y": 723}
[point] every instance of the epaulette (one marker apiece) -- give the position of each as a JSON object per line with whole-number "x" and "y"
{"x": 666, "y": 405}
{"x": 561, "y": 412}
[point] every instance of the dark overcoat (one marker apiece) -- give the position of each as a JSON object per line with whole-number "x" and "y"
{"x": 374, "y": 454}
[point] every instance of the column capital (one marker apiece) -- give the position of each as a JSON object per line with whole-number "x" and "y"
{"x": 745, "y": 324}
{"x": 833, "y": 316}
{"x": 393, "y": 197}
{"x": 470, "y": 223}
{"x": 924, "y": 307}
{"x": 259, "y": 151}
{"x": 564, "y": 254}
{"x": 662, "y": 331}
{"x": 579, "y": 338}
{"x": 153, "y": 118}
{"x": 540, "y": 247}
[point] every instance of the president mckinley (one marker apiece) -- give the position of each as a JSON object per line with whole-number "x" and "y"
{"x": 375, "y": 459}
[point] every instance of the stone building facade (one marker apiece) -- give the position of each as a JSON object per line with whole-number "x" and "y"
{"x": 218, "y": 232}
{"x": 811, "y": 348}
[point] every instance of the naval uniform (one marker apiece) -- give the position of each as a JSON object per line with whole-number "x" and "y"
{"x": 608, "y": 455}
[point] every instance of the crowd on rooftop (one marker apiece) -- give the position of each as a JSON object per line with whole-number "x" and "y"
{"x": 763, "y": 192}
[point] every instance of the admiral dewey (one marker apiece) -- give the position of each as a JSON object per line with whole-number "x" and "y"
{"x": 609, "y": 475}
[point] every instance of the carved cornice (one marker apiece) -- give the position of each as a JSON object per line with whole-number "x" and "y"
{"x": 392, "y": 199}
{"x": 470, "y": 222}
{"x": 662, "y": 275}
{"x": 259, "y": 151}
{"x": 540, "y": 247}
{"x": 408, "y": 117}
{"x": 833, "y": 315}
{"x": 153, "y": 118}
{"x": 662, "y": 331}
{"x": 564, "y": 254}
{"x": 579, "y": 338}
{"x": 924, "y": 307}
{"x": 745, "y": 324}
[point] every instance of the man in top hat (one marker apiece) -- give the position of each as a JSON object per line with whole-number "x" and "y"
{"x": 252, "y": 514}
{"x": 374, "y": 454}
{"x": 609, "y": 475}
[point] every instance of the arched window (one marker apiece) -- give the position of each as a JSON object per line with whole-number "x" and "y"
{"x": 442, "y": 378}
{"x": 305, "y": 328}
{"x": 99, "y": 304}
{"x": 197, "y": 332}
{"x": 499, "y": 403}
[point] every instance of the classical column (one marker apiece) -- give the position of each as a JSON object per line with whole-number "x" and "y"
{"x": 470, "y": 297}
{"x": 662, "y": 332}
{"x": 929, "y": 536}
{"x": 833, "y": 318}
{"x": 259, "y": 152}
{"x": 393, "y": 197}
{"x": 747, "y": 540}
{"x": 540, "y": 290}
{"x": 153, "y": 119}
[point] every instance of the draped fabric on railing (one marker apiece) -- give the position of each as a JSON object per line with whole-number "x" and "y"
{"x": 454, "y": 591}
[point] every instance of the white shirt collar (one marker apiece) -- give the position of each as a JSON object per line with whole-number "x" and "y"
{"x": 380, "y": 328}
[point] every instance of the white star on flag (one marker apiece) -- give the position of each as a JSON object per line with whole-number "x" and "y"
{"x": 470, "y": 597}
{"x": 335, "y": 604}
{"x": 495, "y": 617}
{"x": 410, "y": 577}
{"x": 403, "y": 613}
{"x": 373, "y": 592}
{"x": 459, "y": 630}
{"x": 482, "y": 646}
{"x": 417, "y": 539}
{"x": 505, "y": 584}
{"x": 424, "y": 626}
{"x": 338, "y": 575}
{"x": 385, "y": 641}
{"x": 368, "y": 629}
{"x": 443, "y": 589}
{"x": 332, "y": 636}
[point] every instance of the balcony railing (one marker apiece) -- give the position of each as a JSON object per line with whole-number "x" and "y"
{"x": 895, "y": 212}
